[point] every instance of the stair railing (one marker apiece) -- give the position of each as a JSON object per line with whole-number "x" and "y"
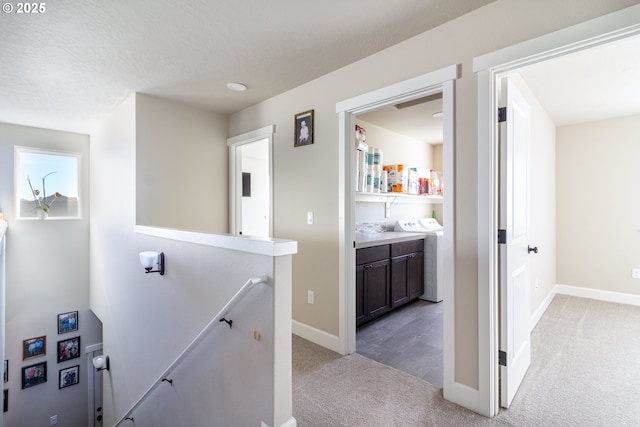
{"x": 220, "y": 317}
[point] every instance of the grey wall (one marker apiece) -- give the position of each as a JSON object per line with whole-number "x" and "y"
{"x": 47, "y": 273}
{"x": 182, "y": 172}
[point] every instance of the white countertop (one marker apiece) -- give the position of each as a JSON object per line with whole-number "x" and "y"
{"x": 366, "y": 240}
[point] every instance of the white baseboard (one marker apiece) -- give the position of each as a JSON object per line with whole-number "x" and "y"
{"x": 463, "y": 395}
{"x": 291, "y": 422}
{"x": 316, "y": 336}
{"x": 537, "y": 315}
{"x": 597, "y": 294}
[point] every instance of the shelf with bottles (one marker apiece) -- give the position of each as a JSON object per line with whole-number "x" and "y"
{"x": 396, "y": 197}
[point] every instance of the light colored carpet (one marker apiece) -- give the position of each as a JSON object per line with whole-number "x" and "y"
{"x": 584, "y": 373}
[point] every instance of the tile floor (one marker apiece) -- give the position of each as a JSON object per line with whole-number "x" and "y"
{"x": 408, "y": 339}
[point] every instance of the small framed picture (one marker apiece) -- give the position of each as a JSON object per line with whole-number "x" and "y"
{"x": 5, "y": 407}
{"x": 34, "y": 375}
{"x": 34, "y": 347}
{"x": 68, "y": 349}
{"x": 303, "y": 128}
{"x": 69, "y": 376}
{"x": 67, "y": 322}
{"x": 6, "y": 371}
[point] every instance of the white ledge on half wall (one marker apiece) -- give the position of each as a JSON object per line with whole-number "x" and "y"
{"x": 256, "y": 245}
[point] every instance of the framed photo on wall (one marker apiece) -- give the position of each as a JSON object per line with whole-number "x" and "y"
{"x": 68, "y": 376}
{"x": 34, "y": 375}
{"x": 6, "y": 371}
{"x": 68, "y": 349}
{"x": 303, "y": 128}
{"x": 67, "y": 322}
{"x": 34, "y": 347}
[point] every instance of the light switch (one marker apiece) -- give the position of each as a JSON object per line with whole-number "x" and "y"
{"x": 309, "y": 217}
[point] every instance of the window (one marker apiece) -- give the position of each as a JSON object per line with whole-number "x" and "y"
{"x": 46, "y": 184}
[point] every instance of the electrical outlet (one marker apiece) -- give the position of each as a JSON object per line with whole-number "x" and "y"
{"x": 635, "y": 273}
{"x": 309, "y": 217}
{"x": 53, "y": 420}
{"x": 310, "y": 297}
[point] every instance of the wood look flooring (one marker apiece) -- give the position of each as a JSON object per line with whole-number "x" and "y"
{"x": 408, "y": 339}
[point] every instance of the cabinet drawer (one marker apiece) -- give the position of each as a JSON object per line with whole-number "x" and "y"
{"x": 374, "y": 253}
{"x": 408, "y": 247}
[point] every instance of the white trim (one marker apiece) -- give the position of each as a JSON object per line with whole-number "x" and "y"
{"x": 461, "y": 394}
{"x": 254, "y": 135}
{"x": 235, "y": 190}
{"x": 598, "y": 294}
{"x": 256, "y": 245}
{"x": 601, "y": 30}
{"x": 537, "y": 315}
{"x": 598, "y": 31}
{"x": 441, "y": 80}
{"x": 93, "y": 347}
{"x": 487, "y": 254}
{"x": 399, "y": 92}
{"x": 309, "y": 333}
{"x": 291, "y": 422}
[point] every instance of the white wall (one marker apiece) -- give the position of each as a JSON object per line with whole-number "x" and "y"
{"x": 598, "y": 204}
{"x": 299, "y": 188}
{"x": 149, "y": 319}
{"x": 182, "y": 172}
{"x": 47, "y": 273}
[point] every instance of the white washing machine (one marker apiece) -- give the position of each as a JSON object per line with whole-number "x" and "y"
{"x": 432, "y": 254}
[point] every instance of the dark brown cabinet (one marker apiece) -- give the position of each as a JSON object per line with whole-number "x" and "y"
{"x": 388, "y": 276}
{"x": 373, "y": 275}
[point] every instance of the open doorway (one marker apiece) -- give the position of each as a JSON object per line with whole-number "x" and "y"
{"x": 440, "y": 81}
{"x": 490, "y": 68}
{"x": 251, "y": 183}
{"x": 404, "y": 329}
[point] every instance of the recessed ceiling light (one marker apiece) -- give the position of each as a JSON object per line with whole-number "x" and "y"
{"x": 238, "y": 87}
{"x": 437, "y": 114}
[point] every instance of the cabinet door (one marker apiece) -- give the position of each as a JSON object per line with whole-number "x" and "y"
{"x": 399, "y": 283}
{"x": 360, "y": 292}
{"x": 415, "y": 274}
{"x": 376, "y": 284}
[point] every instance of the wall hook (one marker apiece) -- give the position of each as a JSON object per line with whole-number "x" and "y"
{"x": 130, "y": 418}
{"x": 168, "y": 380}
{"x": 228, "y": 322}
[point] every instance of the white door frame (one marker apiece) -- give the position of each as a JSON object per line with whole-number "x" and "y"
{"x": 489, "y": 68}
{"x": 434, "y": 82}
{"x": 235, "y": 187}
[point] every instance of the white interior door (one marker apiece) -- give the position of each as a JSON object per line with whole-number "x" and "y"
{"x": 515, "y": 338}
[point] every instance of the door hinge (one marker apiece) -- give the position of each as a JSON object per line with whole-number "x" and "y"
{"x": 502, "y": 358}
{"x": 502, "y": 237}
{"x": 502, "y": 114}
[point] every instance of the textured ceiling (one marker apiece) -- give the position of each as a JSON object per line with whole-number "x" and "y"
{"x": 70, "y": 66}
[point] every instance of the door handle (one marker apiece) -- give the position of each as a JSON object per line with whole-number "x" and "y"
{"x": 532, "y": 249}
